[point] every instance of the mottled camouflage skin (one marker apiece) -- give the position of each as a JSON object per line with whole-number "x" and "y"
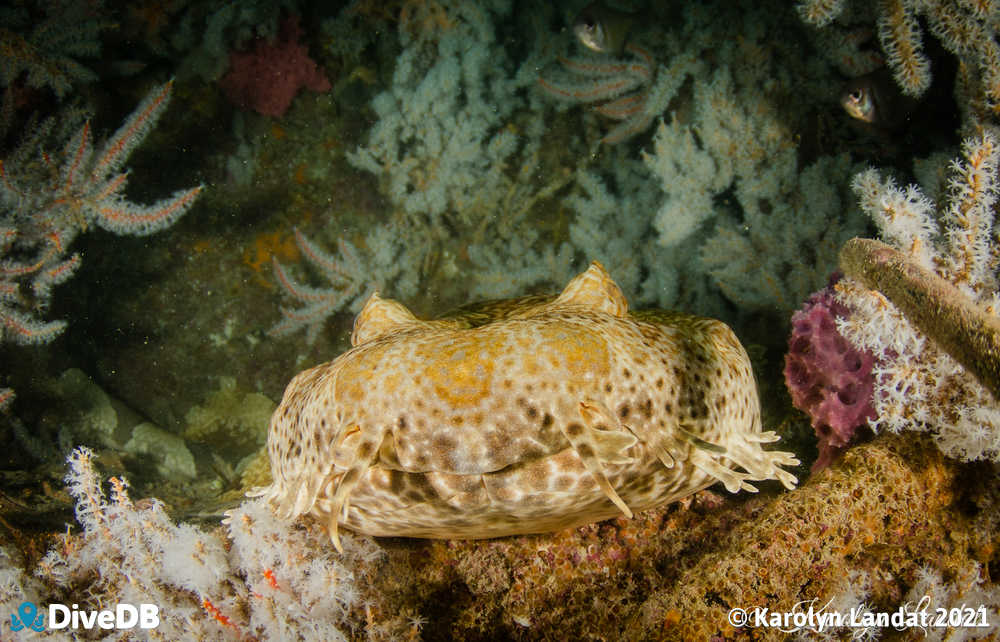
{"x": 517, "y": 417}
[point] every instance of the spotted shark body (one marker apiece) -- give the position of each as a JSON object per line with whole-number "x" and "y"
{"x": 526, "y": 416}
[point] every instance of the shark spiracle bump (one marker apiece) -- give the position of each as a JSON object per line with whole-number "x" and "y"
{"x": 521, "y": 416}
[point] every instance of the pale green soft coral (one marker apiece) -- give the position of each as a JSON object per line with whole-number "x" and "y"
{"x": 86, "y": 408}
{"x": 231, "y": 419}
{"x": 78, "y": 411}
{"x": 167, "y": 451}
{"x": 444, "y": 139}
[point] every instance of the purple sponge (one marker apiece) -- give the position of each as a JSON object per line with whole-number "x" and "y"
{"x": 828, "y": 378}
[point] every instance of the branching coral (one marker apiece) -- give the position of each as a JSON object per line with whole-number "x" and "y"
{"x": 443, "y": 139}
{"x": 353, "y": 275}
{"x": 268, "y": 581}
{"x": 44, "y": 50}
{"x": 938, "y": 306}
{"x": 969, "y": 334}
{"x": 967, "y": 29}
{"x": 634, "y": 90}
{"x": 45, "y": 206}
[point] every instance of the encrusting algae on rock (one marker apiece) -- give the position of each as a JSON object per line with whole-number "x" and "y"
{"x": 521, "y": 416}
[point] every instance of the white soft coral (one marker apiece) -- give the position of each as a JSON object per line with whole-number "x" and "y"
{"x": 271, "y": 580}
{"x": 918, "y": 385}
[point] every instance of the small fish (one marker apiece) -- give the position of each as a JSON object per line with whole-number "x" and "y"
{"x": 876, "y": 99}
{"x": 603, "y": 29}
{"x": 858, "y": 101}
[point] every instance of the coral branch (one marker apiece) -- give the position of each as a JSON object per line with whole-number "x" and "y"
{"x": 899, "y": 33}
{"x": 352, "y": 276}
{"x": 44, "y": 206}
{"x": 923, "y": 307}
{"x": 939, "y": 309}
{"x": 820, "y": 12}
{"x": 132, "y": 132}
{"x": 634, "y": 90}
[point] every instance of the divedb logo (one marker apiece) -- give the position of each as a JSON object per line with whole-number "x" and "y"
{"x": 60, "y": 616}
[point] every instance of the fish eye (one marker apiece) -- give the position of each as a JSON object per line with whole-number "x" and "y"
{"x": 856, "y": 96}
